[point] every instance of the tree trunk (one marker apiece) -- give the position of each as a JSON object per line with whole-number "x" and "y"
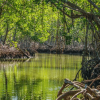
{"x": 86, "y": 36}
{"x": 14, "y": 36}
{"x": 42, "y": 14}
{"x": 57, "y": 37}
{"x": 64, "y": 25}
{"x": 6, "y": 34}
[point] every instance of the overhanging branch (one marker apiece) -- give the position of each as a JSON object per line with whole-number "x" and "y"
{"x": 94, "y": 5}
{"x": 71, "y": 16}
{"x": 75, "y": 7}
{"x": 91, "y": 16}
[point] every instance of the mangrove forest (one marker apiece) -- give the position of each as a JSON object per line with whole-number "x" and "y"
{"x": 49, "y": 49}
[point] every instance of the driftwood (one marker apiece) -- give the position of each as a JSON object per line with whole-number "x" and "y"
{"x": 86, "y": 92}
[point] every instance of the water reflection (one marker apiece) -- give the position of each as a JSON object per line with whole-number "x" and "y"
{"x": 39, "y": 78}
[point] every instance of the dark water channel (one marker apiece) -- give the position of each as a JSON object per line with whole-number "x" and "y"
{"x": 38, "y": 79}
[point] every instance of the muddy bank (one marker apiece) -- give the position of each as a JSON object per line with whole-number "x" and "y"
{"x": 7, "y": 52}
{"x": 27, "y": 50}
{"x": 11, "y": 52}
{"x": 68, "y": 49}
{"x": 65, "y": 51}
{"x": 60, "y": 51}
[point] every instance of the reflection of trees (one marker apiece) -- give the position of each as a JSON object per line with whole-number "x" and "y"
{"x": 23, "y": 87}
{"x": 19, "y": 80}
{"x": 19, "y": 87}
{"x": 5, "y": 95}
{"x": 21, "y": 83}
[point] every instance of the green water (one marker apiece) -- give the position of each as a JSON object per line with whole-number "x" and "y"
{"x": 38, "y": 79}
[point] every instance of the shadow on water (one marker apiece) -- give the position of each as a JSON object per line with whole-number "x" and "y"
{"x": 39, "y": 78}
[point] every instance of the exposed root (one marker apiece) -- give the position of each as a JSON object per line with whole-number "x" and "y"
{"x": 12, "y": 52}
{"x": 86, "y": 92}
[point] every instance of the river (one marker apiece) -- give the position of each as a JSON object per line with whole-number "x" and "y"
{"x": 38, "y": 79}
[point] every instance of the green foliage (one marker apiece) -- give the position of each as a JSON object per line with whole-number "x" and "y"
{"x": 68, "y": 39}
{"x": 35, "y": 38}
{"x": 13, "y": 44}
{"x": 26, "y": 16}
{"x": 38, "y": 19}
{"x": 64, "y": 34}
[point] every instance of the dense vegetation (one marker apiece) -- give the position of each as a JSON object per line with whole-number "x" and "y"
{"x": 39, "y": 20}
{"x": 62, "y": 20}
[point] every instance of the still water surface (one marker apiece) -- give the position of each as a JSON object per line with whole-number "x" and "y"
{"x": 38, "y": 79}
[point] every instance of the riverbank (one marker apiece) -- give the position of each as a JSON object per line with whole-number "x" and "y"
{"x": 69, "y": 49}
{"x": 7, "y": 52}
{"x": 65, "y": 51}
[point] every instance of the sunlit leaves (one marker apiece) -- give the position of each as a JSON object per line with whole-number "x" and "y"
{"x": 38, "y": 19}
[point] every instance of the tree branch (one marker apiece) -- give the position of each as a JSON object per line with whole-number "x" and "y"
{"x": 75, "y": 7}
{"x": 71, "y": 16}
{"x": 91, "y": 16}
{"x": 10, "y": 29}
{"x": 94, "y": 5}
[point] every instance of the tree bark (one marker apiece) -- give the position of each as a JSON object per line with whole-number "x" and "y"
{"x": 6, "y": 34}
{"x": 57, "y": 36}
{"x": 86, "y": 36}
{"x": 14, "y": 36}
